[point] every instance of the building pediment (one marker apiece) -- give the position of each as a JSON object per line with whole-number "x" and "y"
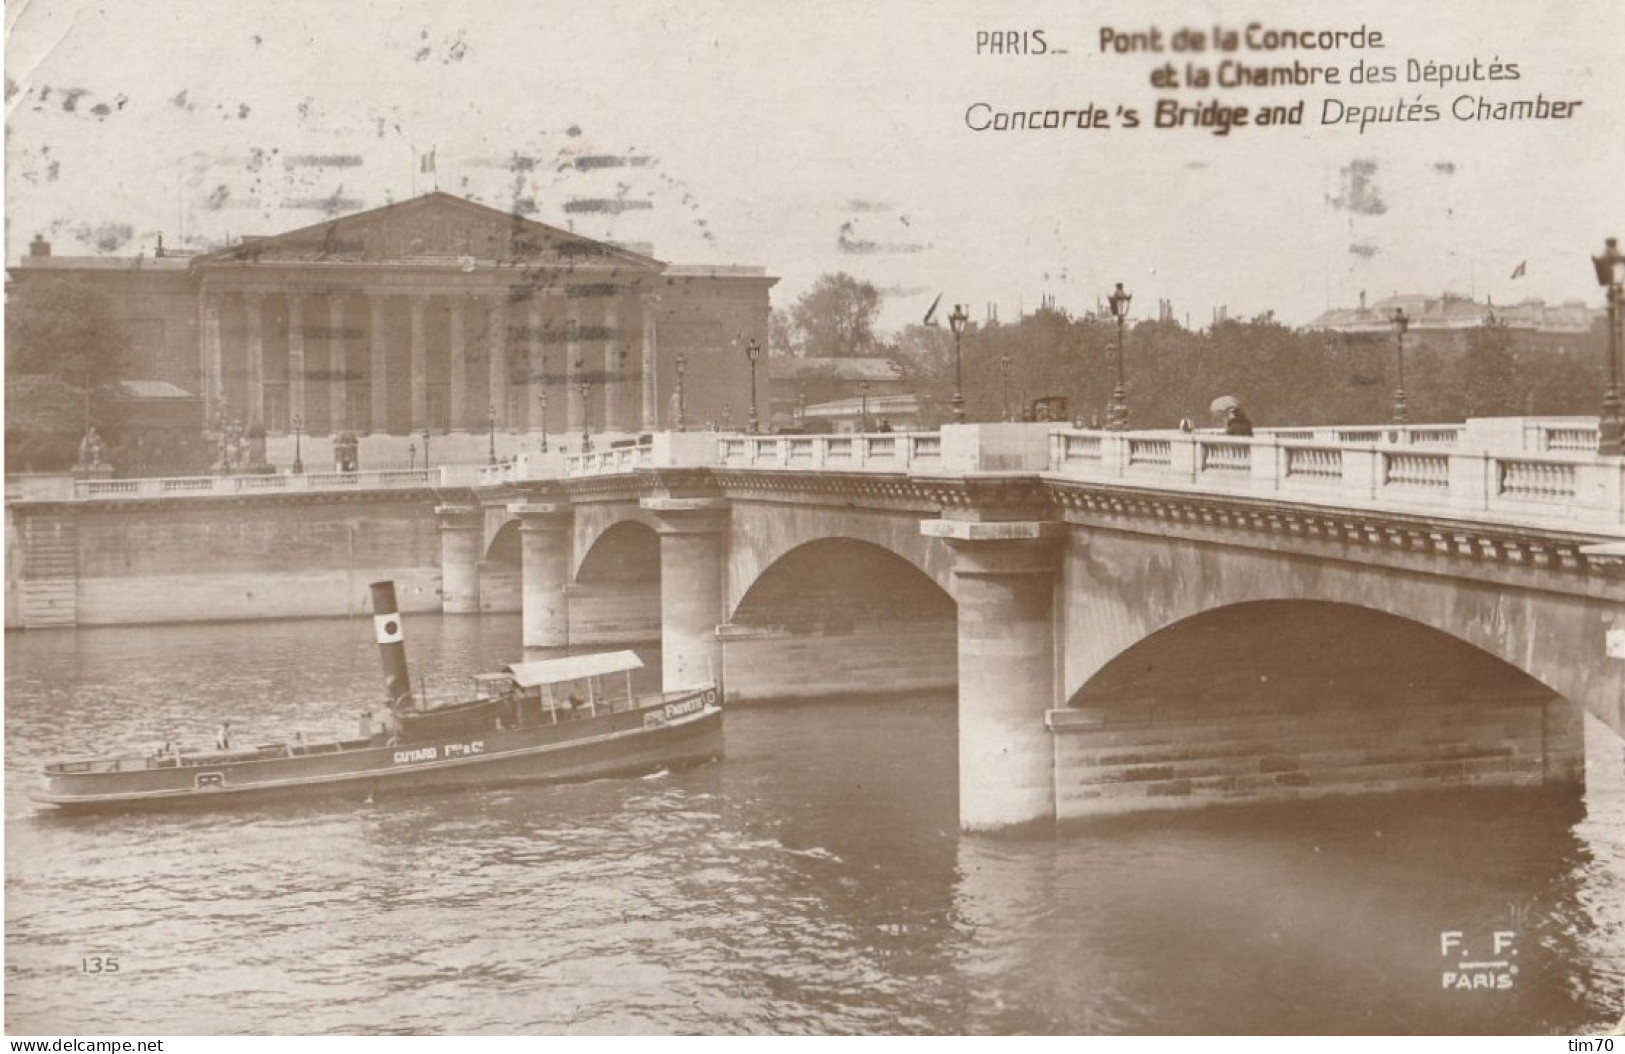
{"x": 436, "y": 227}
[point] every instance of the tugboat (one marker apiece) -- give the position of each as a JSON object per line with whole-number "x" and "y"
{"x": 552, "y": 720}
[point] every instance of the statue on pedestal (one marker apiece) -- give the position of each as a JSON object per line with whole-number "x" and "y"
{"x": 91, "y": 450}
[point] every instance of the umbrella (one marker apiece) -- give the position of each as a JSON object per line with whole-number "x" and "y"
{"x": 1224, "y": 404}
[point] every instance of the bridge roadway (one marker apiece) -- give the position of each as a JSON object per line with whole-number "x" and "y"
{"x": 1061, "y": 577}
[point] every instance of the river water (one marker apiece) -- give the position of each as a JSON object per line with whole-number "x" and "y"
{"x": 812, "y": 882}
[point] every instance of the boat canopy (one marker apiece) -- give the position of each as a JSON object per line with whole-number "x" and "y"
{"x": 573, "y": 668}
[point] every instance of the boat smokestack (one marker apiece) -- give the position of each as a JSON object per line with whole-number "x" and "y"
{"x": 386, "y": 620}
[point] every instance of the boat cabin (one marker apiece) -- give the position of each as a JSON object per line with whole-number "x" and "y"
{"x": 553, "y": 690}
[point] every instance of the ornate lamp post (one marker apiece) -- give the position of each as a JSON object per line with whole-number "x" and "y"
{"x": 753, "y": 352}
{"x": 425, "y": 449}
{"x": 491, "y": 431}
{"x": 541, "y": 402}
{"x": 1004, "y": 382}
{"x": 863, "y": 393}
{"x": 411, "y": 456}
{"x": 1119, "y": 301}
{"x": 1611, "y": 276}
{"x": 1401, "y": 322}
{"x": 298, "y": 430}
{"x": 957, "y": 321}
{"x": 801, "y": 405}
{"x": 682, "y": 367}
{"x": 586, "y": 393}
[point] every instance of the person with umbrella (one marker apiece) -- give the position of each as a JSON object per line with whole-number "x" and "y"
{"x": 1236, "y": 421}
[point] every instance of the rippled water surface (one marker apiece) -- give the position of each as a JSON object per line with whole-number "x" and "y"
{"x": 813, "y": 881}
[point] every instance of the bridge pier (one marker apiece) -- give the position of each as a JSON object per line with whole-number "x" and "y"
{"x": 544, "y": 539}
{"x": 692, "y": 565}
{"x": 460, "y": 544}
{"x": 1004, "y": 581}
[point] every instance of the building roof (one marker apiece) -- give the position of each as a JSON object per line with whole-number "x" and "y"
{"x": 870, "y": 368}
{"x": 437, "y": 228}
{"x": 1452, "y": 311}
{"x": 144, "y": 389}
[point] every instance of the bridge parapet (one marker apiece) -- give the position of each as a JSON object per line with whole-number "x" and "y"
{"x": 1429, "y": 476}
{"x": 311, "y": 482}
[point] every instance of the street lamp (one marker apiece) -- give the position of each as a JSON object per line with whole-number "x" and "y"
{"x": 863, "y": 389}
{"x": 411, "y": 456}
{"x": 1401, "y": 322}
{"x": 425, "y": 449}
{"x": 298, "y": 429}
{"x": 956, "y": 322}
{"x": 491, "y": 418}
{"x": 682, "y": 367}
{"x": 1119, "y": 301}
{"x": 753, "y": 352}
{"x": 801, "y": 405}
{"x": 1611, "y": 276}
{"x": 541, "y": 401}
{"x": 1004, "y": 382}
{"x": 586, "y": 390}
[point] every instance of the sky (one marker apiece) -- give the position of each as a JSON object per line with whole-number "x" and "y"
{"x": 808, "y": 138}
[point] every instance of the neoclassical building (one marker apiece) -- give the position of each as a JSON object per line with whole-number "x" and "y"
{"x": 435, "y": 314}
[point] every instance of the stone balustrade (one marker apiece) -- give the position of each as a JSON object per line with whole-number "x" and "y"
{"x": 195, "y": 486}
{"x": 847, "y": 452}
{"x": 1496, "y": 469}
{"x": 1427, "y": 475}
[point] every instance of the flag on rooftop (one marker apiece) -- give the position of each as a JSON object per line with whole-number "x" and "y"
{"x": 1518, "y": 272}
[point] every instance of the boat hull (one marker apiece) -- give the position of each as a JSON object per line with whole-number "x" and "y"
{"x": 682, "y": 729}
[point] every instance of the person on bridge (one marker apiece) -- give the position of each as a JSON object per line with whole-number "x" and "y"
{"x": 1237, "y": 423}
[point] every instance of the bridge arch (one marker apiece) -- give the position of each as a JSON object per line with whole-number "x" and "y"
{"x": 840, "y": 616}
{"x": 1298, "y": 655}
{"x": 1119, "y": 589}
{"x": 614, "y": 593}
{"x": 760, "y": 534}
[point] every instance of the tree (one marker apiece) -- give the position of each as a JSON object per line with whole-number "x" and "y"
{"x": 64, "y": 370}
{"x": 836, "y": 318}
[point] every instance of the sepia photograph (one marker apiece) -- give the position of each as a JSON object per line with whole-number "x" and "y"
{"x": 814, "y": 519}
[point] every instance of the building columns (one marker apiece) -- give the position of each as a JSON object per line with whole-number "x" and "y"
{"x": 572, "y": 378}
{"x": 337, "y": 367}
{"x": 651, "y": 381}
{"x": 256, "y": 360}
{"x": 1004, "y": 581}
{"x": 536, "y": 358}
{"x": 692, "y": 543}
{"x": 544, "y": 540}
{"x": 296, "y": 359}
{"x": 457, "y": 411}
{"x": 461, "y": 541}
{"x": 420, "y": 366}
{"x": 614, "y": 369}
{"x": 378, "y": 363}
{"x": 497, "y": 342}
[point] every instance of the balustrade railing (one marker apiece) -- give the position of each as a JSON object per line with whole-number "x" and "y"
{"x": 188, "y": 486}
{"x": 1434, "y": 471}
{"x": 867, "y": 451}
{"x": 1511, "y": 468}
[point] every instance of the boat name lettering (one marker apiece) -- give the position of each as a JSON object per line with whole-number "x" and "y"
{"x": 687, "y": 706}
{"x": 447, "y": 752}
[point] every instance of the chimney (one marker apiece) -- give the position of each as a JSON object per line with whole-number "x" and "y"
{"x": 39, "y": 246}
{"x": 1362, "y": 300}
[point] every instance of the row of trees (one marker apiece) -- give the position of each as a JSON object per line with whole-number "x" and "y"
{"x": 1281, "y": 375}
{"x": 65, "y": 368}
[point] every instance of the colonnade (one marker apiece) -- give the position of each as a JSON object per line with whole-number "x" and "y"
{"x": 387, "y": 360}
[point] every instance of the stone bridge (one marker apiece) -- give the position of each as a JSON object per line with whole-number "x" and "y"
{"x": 1132, "y": 621}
